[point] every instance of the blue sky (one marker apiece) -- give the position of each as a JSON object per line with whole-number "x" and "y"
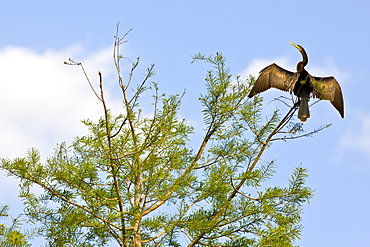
{"x": 42, "y": 100}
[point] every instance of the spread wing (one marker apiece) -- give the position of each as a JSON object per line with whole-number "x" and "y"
{"x": 327, "y": 88}
{"x": 273, "y": 76}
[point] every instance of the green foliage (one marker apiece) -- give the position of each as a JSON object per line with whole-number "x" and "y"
{"x": 135, "y": 181}
{"x": 12, "y": 235}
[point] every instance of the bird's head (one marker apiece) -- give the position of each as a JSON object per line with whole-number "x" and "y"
{"x": 297, "y": 46}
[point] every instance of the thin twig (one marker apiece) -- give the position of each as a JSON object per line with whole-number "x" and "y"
{"x": 237, "y": 190}
{"x": 72, "y": 62}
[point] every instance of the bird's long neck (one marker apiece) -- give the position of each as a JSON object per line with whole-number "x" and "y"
{"x": 304, "y": 56}
{"x": 304, "y": 62}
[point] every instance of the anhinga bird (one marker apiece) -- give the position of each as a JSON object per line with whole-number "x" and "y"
{"x": 302, "y": 84}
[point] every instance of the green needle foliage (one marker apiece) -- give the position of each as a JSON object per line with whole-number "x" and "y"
{"x": 135, "y": 181}
{"x": 11, "y": 235}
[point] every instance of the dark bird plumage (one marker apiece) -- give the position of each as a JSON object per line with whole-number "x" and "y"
{"x": 302, "y": 84}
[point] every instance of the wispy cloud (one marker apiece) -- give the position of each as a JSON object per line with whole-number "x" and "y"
{"x": 329, "y": 68}
{"x": 358, "y": 136}
{"x": 259, "y": 63}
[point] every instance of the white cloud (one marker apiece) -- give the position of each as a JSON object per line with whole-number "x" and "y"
{"x": 259, "y": 63}
{"x": 329, "y": 68}
{"x": 42, "y": 100}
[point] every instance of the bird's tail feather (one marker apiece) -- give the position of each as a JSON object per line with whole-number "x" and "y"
{"x": 303, "y": 112}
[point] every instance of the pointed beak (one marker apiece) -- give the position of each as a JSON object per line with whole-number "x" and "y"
{"x": 296, "y": 46}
